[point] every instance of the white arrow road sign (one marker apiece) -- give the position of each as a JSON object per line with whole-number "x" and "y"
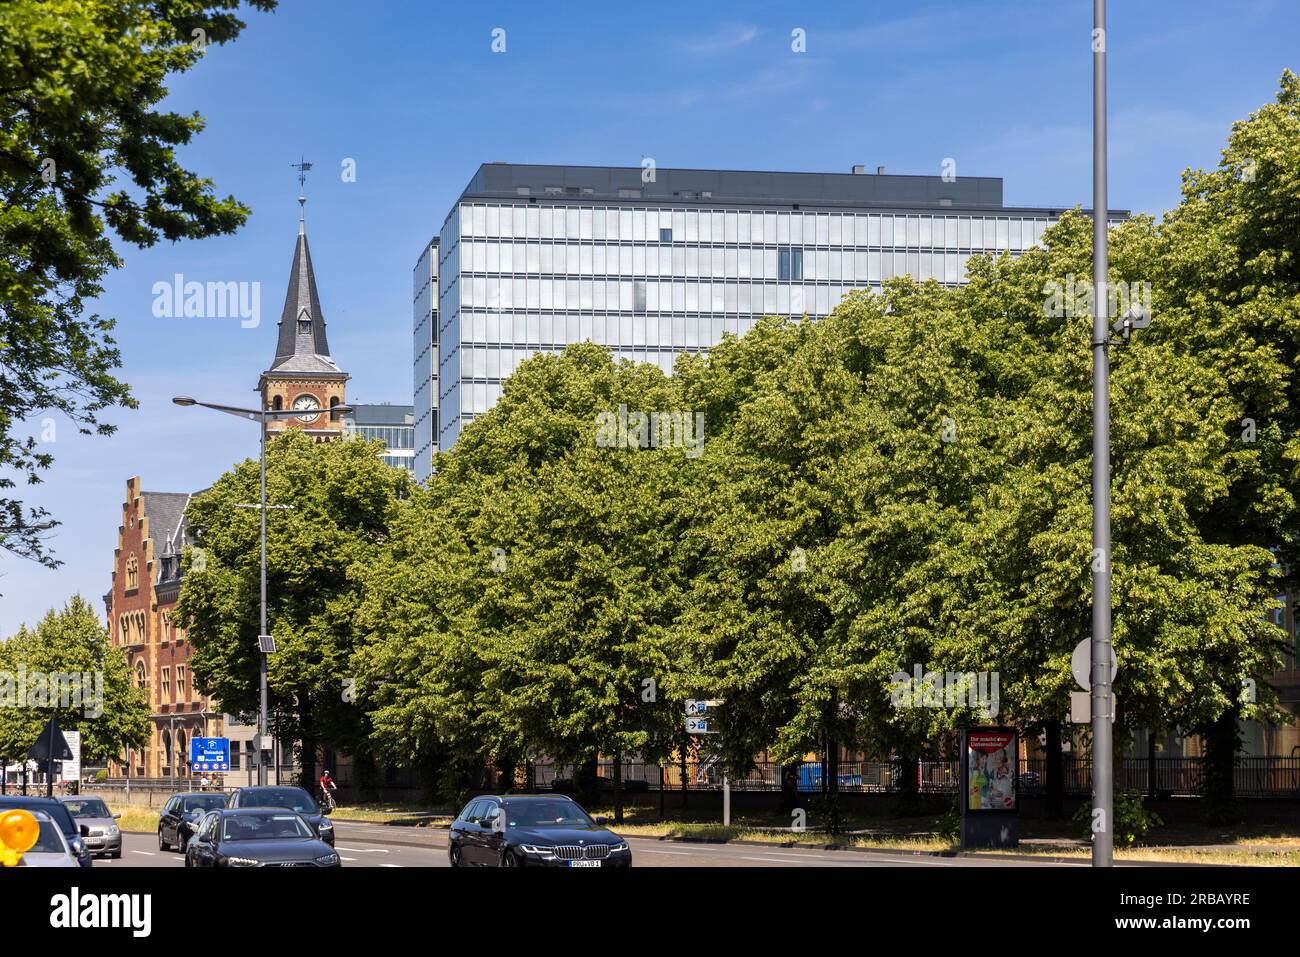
{"x": 702, "y": 707}
{"x": 698, "y": 726}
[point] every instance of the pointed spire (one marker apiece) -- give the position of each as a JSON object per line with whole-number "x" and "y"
{"x": 301, "y": 345}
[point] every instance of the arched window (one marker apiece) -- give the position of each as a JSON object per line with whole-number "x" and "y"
{"x": 140, "y": 675}
{"x": 334, "y": 416}
{"x": 132, "y": 572}
{"x": 277, "y": 403}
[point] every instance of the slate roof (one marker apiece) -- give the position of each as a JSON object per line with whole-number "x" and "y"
{"x": 305, "y": 350}
{"x": 166, "y": 514}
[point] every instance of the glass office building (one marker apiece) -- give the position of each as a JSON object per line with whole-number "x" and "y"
{"x": 394, "y": 425}
{"x": 533, "y": 258}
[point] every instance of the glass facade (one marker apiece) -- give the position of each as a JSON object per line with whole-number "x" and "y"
{"x": 650, "y": 279}
{"x": 392, "y": 424}
{"x": 425, "y": 350}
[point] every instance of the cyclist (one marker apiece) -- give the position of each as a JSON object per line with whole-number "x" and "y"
{"x": 327, "y": 785}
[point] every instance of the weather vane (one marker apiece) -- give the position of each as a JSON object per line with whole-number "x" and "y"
{"x": 302, "y": 166}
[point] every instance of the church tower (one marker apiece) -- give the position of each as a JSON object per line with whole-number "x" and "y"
{"x": 303, "y": 376}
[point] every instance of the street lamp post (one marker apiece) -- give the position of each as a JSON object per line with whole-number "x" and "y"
{"x": 262, "y": 417}
{"x": 1102, "y": 783}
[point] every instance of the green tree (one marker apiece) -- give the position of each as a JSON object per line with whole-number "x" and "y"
{"x": 525, "y": 602}
{"x": 85, "y": 154}
{"x": 70, "y": 642}
{"x": 342, "y": 502}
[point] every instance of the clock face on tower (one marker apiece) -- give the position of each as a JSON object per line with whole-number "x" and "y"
{"x": 306, "y": 402}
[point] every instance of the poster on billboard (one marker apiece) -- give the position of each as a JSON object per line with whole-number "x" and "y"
{"x": 991, "y": 758}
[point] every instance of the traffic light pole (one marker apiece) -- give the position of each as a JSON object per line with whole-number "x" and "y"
{"x": 1102, "y": 768}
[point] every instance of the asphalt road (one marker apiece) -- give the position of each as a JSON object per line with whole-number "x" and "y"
{"x": 375, "y": 845}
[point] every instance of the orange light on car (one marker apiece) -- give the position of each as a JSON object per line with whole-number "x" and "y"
{"x": 18, "y": 832}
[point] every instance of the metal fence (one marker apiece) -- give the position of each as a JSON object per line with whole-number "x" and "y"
{"x": 1254, "y": 777}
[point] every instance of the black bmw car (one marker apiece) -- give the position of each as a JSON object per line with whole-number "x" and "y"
{"x": 293, "y": 798}
{"x": 533, "y": 831}
{"x": 258, "y": 837}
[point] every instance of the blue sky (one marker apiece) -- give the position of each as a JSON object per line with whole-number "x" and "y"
{"x": 412, "y": 92}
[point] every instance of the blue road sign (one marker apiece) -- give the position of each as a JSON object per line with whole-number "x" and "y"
{"x": 210, "y": 754}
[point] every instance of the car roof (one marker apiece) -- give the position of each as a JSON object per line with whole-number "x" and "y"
{"x": 19, "y": 801}
{"x": 195, "y": 794}
{"x": 250, "y": 811}
{"x": 530, "y": 798}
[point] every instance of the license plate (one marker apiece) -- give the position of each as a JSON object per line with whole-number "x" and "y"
{"x": 584, "y": 863}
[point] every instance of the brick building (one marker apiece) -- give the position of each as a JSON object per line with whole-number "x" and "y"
{"x": 146, "y": 584}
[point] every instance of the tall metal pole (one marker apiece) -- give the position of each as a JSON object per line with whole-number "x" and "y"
{"x": 1102, "y": 784}
{"x": 261, "y": 714}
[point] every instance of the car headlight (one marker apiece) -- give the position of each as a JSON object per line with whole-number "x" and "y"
{"x": 328, "y": 859}
{"x": 325, "y": 826}
{"x": 242, "y": 862}
{"x": 620, "y": 846}
{"x": 113, "y": 830}
{"x": 538, "y": 850}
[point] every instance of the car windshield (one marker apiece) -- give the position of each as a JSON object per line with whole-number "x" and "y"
{"x": 89, "y": 807}
{"x": 203, "y": 802}
{"x": 547, "y": 814}
{"x": 294, "y": 798}
{"x": 264, "y": 827}
{"x": 49, "y": 840}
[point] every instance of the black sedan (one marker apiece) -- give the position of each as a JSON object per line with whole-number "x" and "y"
{"x": 295, "y": 799}
{"x": 180, "y": 817}
{"x": 258, "y": 837}
{"x": 533, "y": 831}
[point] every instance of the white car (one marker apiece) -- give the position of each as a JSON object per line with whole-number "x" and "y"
{"x": 51, "y": 848}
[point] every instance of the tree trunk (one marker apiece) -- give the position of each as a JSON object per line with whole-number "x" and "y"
{"x": 790, "y": 786}
{"x": 832, "y": 771}
{"x": 506, "y": 774}
{"x": 1220, "y": 758}
{"x": 308, "y": 743}
{"x": 1151, "y": 765}
{"x": 618, "y": 787}
{"x": 685, "y": 789}
{"x": 1054, "y": 771}
{"x": 908, "y": 763}
{"x": 585, "y": 784}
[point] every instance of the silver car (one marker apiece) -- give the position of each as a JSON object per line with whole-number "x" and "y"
{"x": 51, "y": 847}
{"x": 105, "y": 837}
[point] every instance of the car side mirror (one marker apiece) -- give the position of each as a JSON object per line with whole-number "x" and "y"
{"x": 117, "y": 816}
{"x": 326, "y": 809}
{"x": 602, "y": 820}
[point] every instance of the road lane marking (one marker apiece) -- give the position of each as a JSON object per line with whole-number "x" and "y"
{"x": 363, "y": 850}
{"x": 145, "y": 853}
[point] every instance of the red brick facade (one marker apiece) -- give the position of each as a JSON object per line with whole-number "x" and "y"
{"x": 146, "y": 584}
